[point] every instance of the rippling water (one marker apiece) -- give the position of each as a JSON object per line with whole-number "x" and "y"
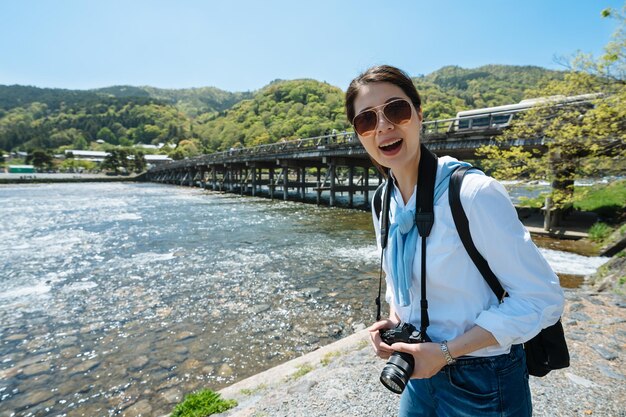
{"x": 122, "y": 297}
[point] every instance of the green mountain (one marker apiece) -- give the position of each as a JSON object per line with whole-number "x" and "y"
{"x": 191, "y": 101}
{"x": 209, "y": 119}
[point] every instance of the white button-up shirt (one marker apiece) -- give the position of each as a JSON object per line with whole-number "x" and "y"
{"x": 458, "y": 295}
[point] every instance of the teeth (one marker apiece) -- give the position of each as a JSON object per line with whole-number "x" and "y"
{"x": 389, "y": 144}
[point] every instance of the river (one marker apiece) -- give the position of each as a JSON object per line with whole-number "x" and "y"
{"x": 114, "y": 294}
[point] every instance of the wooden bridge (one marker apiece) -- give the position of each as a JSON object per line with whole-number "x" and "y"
{"x": 318, "y": 169}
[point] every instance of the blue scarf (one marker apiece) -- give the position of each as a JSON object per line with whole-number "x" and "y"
{"x": 403, "y": 236}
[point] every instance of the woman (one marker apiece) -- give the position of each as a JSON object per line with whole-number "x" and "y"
{"x": 475, "y": 364}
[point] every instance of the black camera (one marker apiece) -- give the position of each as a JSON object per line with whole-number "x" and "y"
{"x": 399, "y": 367}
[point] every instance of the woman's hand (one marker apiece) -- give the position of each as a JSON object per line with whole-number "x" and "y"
{"x": 428, "y": 357}
{"x": 382, "y": 349}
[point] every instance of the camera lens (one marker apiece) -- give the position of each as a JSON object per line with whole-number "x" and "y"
{"x": 397, "y": 371}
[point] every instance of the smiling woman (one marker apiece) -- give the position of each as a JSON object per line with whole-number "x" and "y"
{"x": 434, "y": 376}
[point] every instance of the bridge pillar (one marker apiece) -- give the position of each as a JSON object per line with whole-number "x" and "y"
{"x": 303, "y": 183}
{"x": 285, "y": 183}
{"x": 333, "y": 172}
{"x": 254, "y": 181}
{"x": 271, "y": 184}
{"x": 202, "y": 177}
{"x": 366, "y": 183}
{"x": 350, "y": 186}
{"x": 319, "y": 185}
{"x": 213, "y": 178}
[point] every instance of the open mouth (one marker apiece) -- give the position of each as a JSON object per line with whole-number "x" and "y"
{"x": 391, "y": 147}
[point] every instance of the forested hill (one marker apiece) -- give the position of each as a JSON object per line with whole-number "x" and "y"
{"x": 208, "y": 119}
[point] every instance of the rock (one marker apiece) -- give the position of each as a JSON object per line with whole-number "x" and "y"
{"x": 32, "y": 398}
{"x": 167, "y": 364}
{"x": 357, "y": 327}
{"x": 191, "y": 365}
{"x": 142, "y": 408}
{"x": 606, "y": 353}
{"x": 596, "y": 301}
{"x": 303, "y": 387}
{"x": 67, "y": 341}
{"x": 10, "y": 372}
{"x": 580, "y": 380}
{"x": 579, "y": 316}
{"x": 172, "y": 396}
{"x": 138, "y": 363}
{"x": 84, "y": 366}
{"x": 70, "y": 352}
{"x": 578, "y": 336}
{"x": 184, "y": 336}
{"x": 608, "y": 371}
{"x": 19, "y": 336}
{"x": 576, "y": 306}
{"x": 225, "y": 370}
{"x": 260, "y": 308}
{"x": 309, "y": 292}
{"x": 181, "y": 350}
{"x": 37, "y": 369}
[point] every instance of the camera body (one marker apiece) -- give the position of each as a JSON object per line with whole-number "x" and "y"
{"x": 403, "y": 333}
{"x": 399, "y": 367}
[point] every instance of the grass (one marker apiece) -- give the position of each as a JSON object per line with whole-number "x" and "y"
{"x": 608, "y": 201}
{"x": 329, "y": 357}
{"x": 202, "y": 404}
{"x": 599, "y": 231}
{"x": 302, "y": 371}
{"x": 251, "y": 391}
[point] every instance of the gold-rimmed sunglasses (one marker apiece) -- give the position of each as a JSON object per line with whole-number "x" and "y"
{"x": 397, "y": 112}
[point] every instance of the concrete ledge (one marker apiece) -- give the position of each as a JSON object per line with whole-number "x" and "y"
{"x": 280, "y": 372}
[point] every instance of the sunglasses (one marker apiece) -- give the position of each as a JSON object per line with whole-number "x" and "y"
{"x": 397, "y": 112}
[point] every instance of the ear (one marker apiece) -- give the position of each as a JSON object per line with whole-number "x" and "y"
{"x": 420, "y": 116}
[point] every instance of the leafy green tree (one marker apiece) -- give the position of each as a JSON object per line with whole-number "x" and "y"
{"x": 40, "y": 159}
{"x": 581, "y": 141}
{"x": 107, "y": 135}
{"x": 138, "y": 161}
{"x": 112, "y": 161}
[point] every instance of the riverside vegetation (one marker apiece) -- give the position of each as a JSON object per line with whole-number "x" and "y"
{"x": 205, "y": 120}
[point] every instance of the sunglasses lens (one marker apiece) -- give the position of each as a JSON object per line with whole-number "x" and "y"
{"x": 365, "y": 122}
{"x": 398, "y": 112}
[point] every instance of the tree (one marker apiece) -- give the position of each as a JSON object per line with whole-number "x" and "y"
{"x": 112, "y": 161}
{"x": 586, "y": 140}
{"x": 138, "y": 161}
{"x": 40, "y": 159}
{"x": 107, "y": 135}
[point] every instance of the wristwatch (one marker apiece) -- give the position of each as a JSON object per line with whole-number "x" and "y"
{"x": 446, "y": 353}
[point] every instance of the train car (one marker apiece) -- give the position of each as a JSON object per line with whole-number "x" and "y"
{"x": 501, "y": 116}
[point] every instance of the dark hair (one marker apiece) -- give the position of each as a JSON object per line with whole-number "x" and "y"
{"x": 381, "y": 74}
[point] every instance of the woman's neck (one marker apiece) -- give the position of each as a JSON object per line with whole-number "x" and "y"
{"x": 406, "y": 179}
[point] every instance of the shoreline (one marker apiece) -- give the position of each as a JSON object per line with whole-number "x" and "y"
{"x": 342, "y": 378}
{"x": 574, "y": 227}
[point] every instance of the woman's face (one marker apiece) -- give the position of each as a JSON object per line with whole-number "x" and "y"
{"x": 393, "y": 146}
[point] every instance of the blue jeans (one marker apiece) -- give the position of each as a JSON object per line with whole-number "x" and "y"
{"x": 485, "y": 387}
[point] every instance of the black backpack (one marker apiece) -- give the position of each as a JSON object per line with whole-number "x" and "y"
{"x": 545, "y": 352}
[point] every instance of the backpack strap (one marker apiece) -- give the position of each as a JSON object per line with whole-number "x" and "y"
{"x": 462, "y": 227}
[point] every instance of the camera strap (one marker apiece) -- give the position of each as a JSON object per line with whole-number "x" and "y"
{"x": 424, "y": 220}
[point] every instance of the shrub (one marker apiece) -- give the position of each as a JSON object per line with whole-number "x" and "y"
{"x": 599, "y": 231}
{"x": 202, "y": 404}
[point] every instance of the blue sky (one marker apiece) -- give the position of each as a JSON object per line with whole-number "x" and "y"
{"x": 243, "y": 45}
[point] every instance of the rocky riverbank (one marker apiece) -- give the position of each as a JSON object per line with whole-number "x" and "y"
{"x": 342, "y": 378}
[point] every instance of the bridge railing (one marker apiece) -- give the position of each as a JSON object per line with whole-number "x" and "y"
{"x": 337, "y": 140}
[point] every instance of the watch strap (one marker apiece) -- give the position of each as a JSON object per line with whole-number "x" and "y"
{"x": 446, "y": 353}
